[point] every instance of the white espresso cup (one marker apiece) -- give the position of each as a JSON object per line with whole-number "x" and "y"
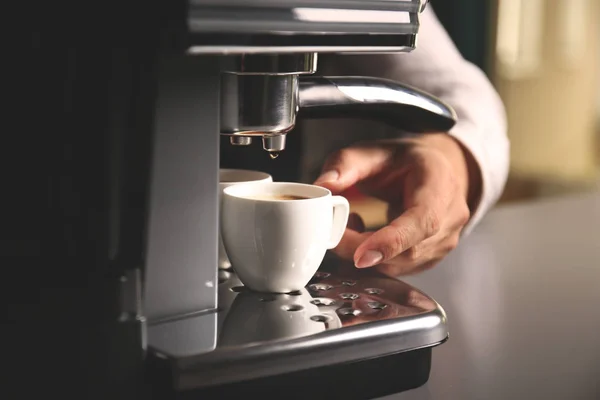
{"x": 229, "y": 177}
{"x": 276, "y": 234}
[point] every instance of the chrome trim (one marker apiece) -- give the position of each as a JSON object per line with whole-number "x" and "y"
{"x": 215, "y": 16}
{"x": 347, "y": 49}
{"x": 238, "y": 27}
{"x": 240, "y": 140}
{"x": 274, "y": 64}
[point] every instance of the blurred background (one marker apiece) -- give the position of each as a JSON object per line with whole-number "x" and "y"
{"x": 543, "y": 56}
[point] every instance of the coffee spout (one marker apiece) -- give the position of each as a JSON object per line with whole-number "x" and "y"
{"x": 274, "y": 144}
{"x": 240, "y": 140}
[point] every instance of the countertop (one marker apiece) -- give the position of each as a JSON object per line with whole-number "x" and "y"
{"x": 522, "y": 295}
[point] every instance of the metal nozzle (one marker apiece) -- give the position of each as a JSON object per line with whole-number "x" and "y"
{"x": 274, "y": 143}
{"x": 240, "y": 140}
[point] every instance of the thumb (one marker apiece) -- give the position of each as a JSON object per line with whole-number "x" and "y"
{"x": 344, "y": 168}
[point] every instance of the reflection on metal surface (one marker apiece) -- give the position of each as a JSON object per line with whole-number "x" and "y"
{"x": 224, "y": 27}
{"x": 263, "y": 334}
{"x": 377, "y": 305}
{"x": 319, "y": 286}
{"x": 382, "y": 100}
{"x": 388, "y": 94}
{"x": 359, "y": 16}
{"x": 274, "y": 64}
{"x": 349, "y": 312}
{"x": 223, "y": 276}
{"x": 252, "y": 105}
{"x": 322, "y": 302}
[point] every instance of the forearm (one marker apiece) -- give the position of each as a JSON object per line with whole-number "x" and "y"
{"x": 437, "y": 67}
{"x": 466, "y": 169}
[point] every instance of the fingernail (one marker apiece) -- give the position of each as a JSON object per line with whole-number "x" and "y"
{"x": 370, "y": 258}
{"x": 329, "y": 176}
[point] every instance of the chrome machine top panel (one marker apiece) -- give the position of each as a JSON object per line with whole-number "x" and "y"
{"x": 270, "y": 26}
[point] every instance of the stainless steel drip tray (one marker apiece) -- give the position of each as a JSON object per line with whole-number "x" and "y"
{"x": 343, "y": 315}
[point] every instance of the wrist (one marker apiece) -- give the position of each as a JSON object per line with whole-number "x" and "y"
{"x": 463, "y": 163}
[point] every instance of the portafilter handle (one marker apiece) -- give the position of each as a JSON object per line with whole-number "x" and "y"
{"x": 398, "y": 105}
{"x": 267, "y": 105}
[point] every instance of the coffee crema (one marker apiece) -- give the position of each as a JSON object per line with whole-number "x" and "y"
{"x": 277, "y": 197}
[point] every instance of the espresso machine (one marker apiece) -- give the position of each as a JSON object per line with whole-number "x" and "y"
{"x": 132, "y": 196}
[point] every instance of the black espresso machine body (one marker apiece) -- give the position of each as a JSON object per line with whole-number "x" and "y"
{"x": 116, "y": 229}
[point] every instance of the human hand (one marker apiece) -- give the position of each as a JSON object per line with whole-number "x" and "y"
{"x": 428, "y": 182}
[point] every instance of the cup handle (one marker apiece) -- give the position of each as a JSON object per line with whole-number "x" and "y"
{"x": 341, "y": 210}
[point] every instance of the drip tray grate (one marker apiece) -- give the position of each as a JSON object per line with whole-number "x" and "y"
{"x": 344, "y": 315}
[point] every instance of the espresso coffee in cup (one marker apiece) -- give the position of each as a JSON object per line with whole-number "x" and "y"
{"x": 276, "y": 233}
{"x": 229, "y": 177}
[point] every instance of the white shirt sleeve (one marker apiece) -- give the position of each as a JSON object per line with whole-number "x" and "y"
{"x": 437, "y": 67}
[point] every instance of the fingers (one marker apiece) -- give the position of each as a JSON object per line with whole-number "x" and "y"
{"x": 426, "y": 257}
{"x": 417, "y": 258}
{"x": 431, "y": 251}
{"x": 352, "y": 237}
{"x": 347, "y": 167}
{"x": 349, "y": 243}
{"x": 428, "y": 198}
{"x": 409, "y": 229}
